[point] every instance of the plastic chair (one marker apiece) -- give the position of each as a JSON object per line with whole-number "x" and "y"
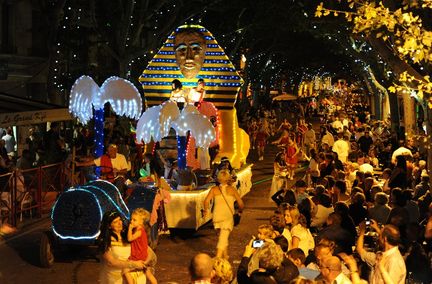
{"x": 26, "y": 201}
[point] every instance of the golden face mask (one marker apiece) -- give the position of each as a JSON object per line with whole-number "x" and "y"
{"x": 190, "y": 48}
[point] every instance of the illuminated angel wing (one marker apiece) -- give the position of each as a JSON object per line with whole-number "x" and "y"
{"x": 123, "y": 97}
{"x": 199, "y": 126}
{"x": 83, "y": 93}
{"x": 148, "y": 126}
{"x": 168, "y": 114}
{"x": 202, "y": 130}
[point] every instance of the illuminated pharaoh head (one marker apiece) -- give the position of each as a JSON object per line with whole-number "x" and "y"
{"x": 190, "y": 48}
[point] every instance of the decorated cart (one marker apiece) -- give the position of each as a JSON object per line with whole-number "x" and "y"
{"x": 206, "y": 117}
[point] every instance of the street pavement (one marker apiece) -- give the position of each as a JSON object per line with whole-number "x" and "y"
{"x": 19, "y": 255}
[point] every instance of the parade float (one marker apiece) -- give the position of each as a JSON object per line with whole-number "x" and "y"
{"x": 205, "y": 118}
{"x": 189, "y": 54}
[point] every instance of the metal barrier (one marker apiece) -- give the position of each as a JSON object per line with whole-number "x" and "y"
{"x": 31, "y": 191}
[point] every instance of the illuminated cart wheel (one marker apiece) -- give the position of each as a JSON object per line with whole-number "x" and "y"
{"x": 46, "y": 250}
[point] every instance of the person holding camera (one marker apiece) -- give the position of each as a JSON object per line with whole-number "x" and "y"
{"x": 387, "y": 264}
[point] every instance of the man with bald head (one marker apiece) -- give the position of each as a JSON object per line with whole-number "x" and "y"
{"x": 201, "y": 269}
{"x": 331, "y": 271}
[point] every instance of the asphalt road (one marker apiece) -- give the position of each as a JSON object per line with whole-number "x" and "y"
{"x": 19, "y": 256}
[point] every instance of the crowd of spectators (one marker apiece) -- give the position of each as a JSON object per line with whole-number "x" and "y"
{"x": 362, "y": 213}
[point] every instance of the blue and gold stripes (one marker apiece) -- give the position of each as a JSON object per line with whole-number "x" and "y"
{"x": 222, "y": 80}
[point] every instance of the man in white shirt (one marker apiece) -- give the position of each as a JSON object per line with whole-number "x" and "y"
{"x": 341, "y": 147}
{"x": 10, "y": 141}
{"x": 328, "y": 138}
{"x": 113, "y": 167}
{"x": 388, "y": 264}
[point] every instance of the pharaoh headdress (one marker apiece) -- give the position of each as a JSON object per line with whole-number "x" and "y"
{"x": 222, "y": 80}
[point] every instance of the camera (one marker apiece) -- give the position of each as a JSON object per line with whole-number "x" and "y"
{"x": 257, "y": 243}
{"x": 367, "y": 222}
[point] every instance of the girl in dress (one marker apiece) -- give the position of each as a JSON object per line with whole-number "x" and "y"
{"x": 137, "y": 236}
{"x": 261, "y": 138}
{"x": 279, "y": 176}
{"x": 224, "y": 196}
{"x": 291, "y": 157}
{"x": 301, "y": 236}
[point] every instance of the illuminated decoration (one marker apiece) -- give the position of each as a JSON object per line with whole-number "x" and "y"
{"x": 222, "y": 80}
{"x": 222, "y": 84}
{"x": 148, "y": 126}
{"x": 168, "y": 114}
{"x": 84, "y": 91}
{"x": 232, "y": 141}
{"x": 122, "y": 95}
{"x": 181, "y": 152}
{"x": 199, "y": 126}
{"x": 78, "y": 212}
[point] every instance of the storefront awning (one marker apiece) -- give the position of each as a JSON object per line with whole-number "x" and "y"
{"x": 16, "y": 111}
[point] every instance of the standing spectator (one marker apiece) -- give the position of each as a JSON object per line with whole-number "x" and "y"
{"x": 390, "y": 259}
{"x": 54, "y": 144}
{"x": 309, "y": 139}
{"x": 224, "y": 196}
{"x": 398, "y": 176}
{"x": 10, "y": 142}
{"x": 365, "y": 141}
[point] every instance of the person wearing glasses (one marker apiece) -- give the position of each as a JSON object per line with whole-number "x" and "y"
{"x": 331, "y": 271}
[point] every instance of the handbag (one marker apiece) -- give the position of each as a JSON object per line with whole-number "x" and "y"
{"x": 236, "y": 215}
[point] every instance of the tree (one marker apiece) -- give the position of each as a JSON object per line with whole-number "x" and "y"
{"x": 400, "y": 32}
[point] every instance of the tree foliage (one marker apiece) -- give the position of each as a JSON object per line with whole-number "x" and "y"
{"x": 402, "y": 27}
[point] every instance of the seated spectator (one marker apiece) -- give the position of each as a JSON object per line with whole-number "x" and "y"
{"x": 322, "y": 211}
{"x": 399, "y": 215}
{"x": 223, "y": 273}
{"x": 331, "y": 270}
{"x": 334, "y": 232}
{"x": 301, "y": 236}
{"x": 386, "y": 177}
{"x": 284, "y": 195}
{"x": 298, "y": 257}
{"x": 347, "y": 222}
{"x": 339, "y": 192}
{"x": 270, "y": 257}
{"x": 201, "y": 269}
{"x": 422, "y": 187}
{"x": 265, "y": 232}
{"x": 357, "y": 209}
{"x": 380, "y": 211}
